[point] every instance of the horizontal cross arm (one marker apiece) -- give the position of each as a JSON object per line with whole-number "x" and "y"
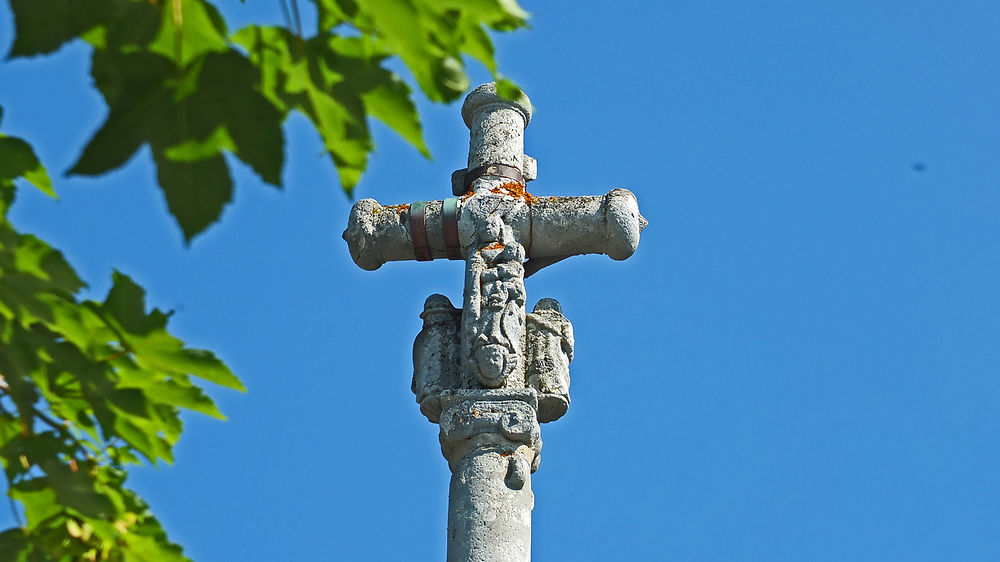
{"x": 547, "y": 227}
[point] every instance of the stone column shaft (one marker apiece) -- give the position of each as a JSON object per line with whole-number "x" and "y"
{"x": 487, "y": 519}
{"x": 492, "y": 441}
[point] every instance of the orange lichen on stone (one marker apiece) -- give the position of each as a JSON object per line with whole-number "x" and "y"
{"x": 515, "y": 189}
{"x": 493, "y": 246}
{"x": 400, "y": 209}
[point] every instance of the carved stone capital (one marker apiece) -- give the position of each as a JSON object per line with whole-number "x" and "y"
{"x": 501, "y": 421}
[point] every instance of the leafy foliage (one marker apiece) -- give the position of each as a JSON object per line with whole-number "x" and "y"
{"x": 176, "y": 79}
{"x": 86, "y": 388}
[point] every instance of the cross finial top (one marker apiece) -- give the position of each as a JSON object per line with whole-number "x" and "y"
{"x": 496, "y": 139}
{"x": 486, "y": 95}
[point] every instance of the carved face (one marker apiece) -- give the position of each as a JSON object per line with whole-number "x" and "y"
{"x": 495, "y": 295}
{"x": 493, "y": 229}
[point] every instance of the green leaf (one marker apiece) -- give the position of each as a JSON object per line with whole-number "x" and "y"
{"x": 390, "y": 103}
{"x": 431, "y": 37}
{"x": 196, "y": 192}
{"x": 9, "y": 428}
{"x": 401, "y": 25}
{"x": 39, "y": 501}
{"x": 132, "y": 25}
{"x": 93, "y": 371}
{"x": 509, "y": 90}
{"x": 153, "y": 347}
{"x": 126, "y": 303}
{"x": 227, "y": 88}
{"x": 449, "y": 73}
{"x": 515, "y": 16}
{"x": 303, "y": 76}
{"x": 17, "y": 159}
{"x": 332, "y": 13}
{"x": 141, "y": 103}
{"x": 188, "y": 117}
{"x": 384, "y": 94}
{"x": 42, "y": 26}
{"x": 76, "y": 490}
{"x": 143, "y": 436}
{"x": 478, "y": 43}
{"x": 167, "y": 353}
{"x": 143, "y": 548}
{"x": 194, "y": 149}
{"x": 496, "y": 13}
{"x": 14, "y": 545}
{"x": 161, "y": 351}
{"x": 190, "y": 29}
{"x": 183, "y": 396}
{"x": 37, "y": 259}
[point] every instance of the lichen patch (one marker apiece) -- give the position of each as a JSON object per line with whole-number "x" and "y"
{"x": 516, "y": 190}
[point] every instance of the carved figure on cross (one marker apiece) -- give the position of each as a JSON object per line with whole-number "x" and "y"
{"x": 490, "y": 372}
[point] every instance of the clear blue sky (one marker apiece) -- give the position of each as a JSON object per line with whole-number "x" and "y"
{"x": 801, "y": 362}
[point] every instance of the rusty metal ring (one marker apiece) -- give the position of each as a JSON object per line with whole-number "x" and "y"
{"x": 499, "y": 170}
{"x": 418, "y": 231}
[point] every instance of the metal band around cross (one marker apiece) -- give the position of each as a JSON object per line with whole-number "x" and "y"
{"x": 418, "y": 231}
{"x": 499, "y": 170}
{"x": 449, "y": 222}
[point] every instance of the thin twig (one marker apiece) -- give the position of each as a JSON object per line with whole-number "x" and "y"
{"x": 298, "y": 20}
{"x": 61, "y": 428}
{"x": 13, "y": 508}
{"x": 113, "y": 356}
{"x": 284, "y": 12}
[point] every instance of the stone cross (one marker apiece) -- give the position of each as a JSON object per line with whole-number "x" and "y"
{"x": 490, "y": 372}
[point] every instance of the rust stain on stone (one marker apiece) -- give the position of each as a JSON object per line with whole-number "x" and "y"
{"x": 516, "y": 190}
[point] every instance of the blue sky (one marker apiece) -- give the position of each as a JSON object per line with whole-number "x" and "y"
{"x": 801, "y": 362}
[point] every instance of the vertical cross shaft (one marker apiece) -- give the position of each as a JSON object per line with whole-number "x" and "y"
{"x": 490, "y": 372}
{"x": 491, "y": 437}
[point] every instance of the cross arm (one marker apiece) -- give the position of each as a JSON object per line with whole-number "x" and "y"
{"x": 548, "y": 227}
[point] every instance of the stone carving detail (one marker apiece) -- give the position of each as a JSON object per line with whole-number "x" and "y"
{"x": 549, "y": 353}
{"x": 499, "y": 421}
{"x": 495, "y": 309}
{"x": 436, "y": 354}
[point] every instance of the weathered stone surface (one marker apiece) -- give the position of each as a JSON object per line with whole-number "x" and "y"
{"x": 549, "y": 353}
{"x": 496, "y": 419}
{"x": 436, "y": 354}
{"x": 492, "y": 442}
{"x": 489, "y": 373}
{"x": 496, "y": 127}
{"x": 493, "y": 320}
{"x": 547, "y": 227}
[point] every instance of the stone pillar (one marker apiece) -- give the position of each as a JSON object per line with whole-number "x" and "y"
{"x": 489, "y": 373}
{"x": 492, "y": 441}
